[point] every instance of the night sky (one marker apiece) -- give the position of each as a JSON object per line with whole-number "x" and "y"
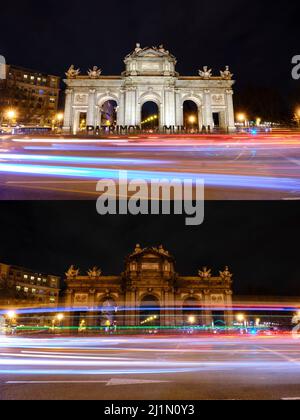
{"x": 257, "y": 38}
{"x": 258, "y": 240}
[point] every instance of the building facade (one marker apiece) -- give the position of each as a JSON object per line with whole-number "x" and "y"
{"x": 149, "y": 293}
{"x": 150, "y": 76}
{"x": 21, "y": 287}
{"x": 34, "y": 96}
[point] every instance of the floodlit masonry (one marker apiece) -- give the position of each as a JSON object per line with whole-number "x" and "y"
{"x": 94, "y": 101}
{"x": 148, "y": 293}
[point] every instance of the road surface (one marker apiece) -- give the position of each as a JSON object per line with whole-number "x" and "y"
{"x": 234, "y": 167}
{"x": 150, "y": 368}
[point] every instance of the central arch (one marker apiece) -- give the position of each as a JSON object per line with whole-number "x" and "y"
{"x": 150, "y": 311}
{"x": 150, "y": 116}
{"x": 192, "y": 312}
{"x": 192, "y": 115}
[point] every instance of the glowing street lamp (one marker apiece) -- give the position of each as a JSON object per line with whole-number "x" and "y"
{"x": 11, "y": 115}
{"x": 297, "y": 115}
{"x": 192, "y": 119}
{"x": 11, "y": 315}
{"x": 60, "y": 317}
{"x": 240, "y": 318}
{"x": 59, "y": 117}
{"x": 192, "y": 320}
{"x": 241, "y": 117}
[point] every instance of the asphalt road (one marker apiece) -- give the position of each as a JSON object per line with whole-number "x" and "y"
{"x": 237, "y": 167}
{"x": 150, "y": 368}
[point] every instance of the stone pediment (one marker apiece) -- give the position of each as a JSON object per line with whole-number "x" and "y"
{"x": 150, "y": 52}
{"x": 151, "y": 253}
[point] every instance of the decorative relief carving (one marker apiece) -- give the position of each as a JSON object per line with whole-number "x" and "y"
{"x": 81, "y": 299}
{"x": 217, "y": 299}
{"x": 218, "y": 99}
{"x": 81, "y": 99}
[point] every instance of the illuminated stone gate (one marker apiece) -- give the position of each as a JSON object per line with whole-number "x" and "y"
{"x": 150, "y": 293}
{"x": 150, "y": 76}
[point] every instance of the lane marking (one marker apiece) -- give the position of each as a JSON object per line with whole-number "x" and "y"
{"x": 111, "y": 382}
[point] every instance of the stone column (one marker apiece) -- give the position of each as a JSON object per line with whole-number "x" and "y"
{"x": 130, "y": 303}
{"x": 179, "y": 109}
{"x": 207, "y": 112}
{"x": 230, "y": 316}
{"x": 91, "y": 109}
{"x": 68, "y": 116}
{"x": 92, "y": 321}
{"x": 230, "y": 110}
{"x": 68, "y": 320}
{"x": 208, "y": 314}
{"x": 170, "y": 119}
{"x": 121, "y": 109}
{"x": 130, "y": 107}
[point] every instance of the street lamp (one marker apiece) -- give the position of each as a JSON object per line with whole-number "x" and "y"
{"x": 240, "y": 318}
{"x": 11, "y": 115}
{"x": 192, "y": 320}
{"x": 192, "y": 119}
{"x": 242, "y": 118}
{"x": 11, "y": 315}
{"x": 60, "y": 317}
{"x": 297, "y": 115}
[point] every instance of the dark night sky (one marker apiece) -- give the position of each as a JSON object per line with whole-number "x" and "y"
{"x": 258, "y": 240}
{"x": 257, "y": 38}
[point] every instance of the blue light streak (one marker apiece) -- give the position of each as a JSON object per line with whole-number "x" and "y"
{"x": 77, "y": 160}
{"x": 226, "y": 181}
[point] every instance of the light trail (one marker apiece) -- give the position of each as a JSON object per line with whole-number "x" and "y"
{"x": 78, "y": 160}
{"x": 267, "y": 307}
{"x": 221, "y": 180}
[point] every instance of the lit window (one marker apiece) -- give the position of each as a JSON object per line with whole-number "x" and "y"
{"x": 31, "y": 278}
{"x": 26, "y": 289}
{"x": 32, "y": 77}
{"x": 25, "y": 76}
{"x": 18, "y": 288}
{"x": 25, "y": 276}
{"x": 33, "y": 291}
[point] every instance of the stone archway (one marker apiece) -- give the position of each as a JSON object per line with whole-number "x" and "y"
{"x": 192, "y": 313}
{"x": 192, "y": 114}
{"x": 150, "y": 116}
{"x": 150, "y": 311}
{"x": 107, "y": 110}
{"x": 155, "y": 100}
